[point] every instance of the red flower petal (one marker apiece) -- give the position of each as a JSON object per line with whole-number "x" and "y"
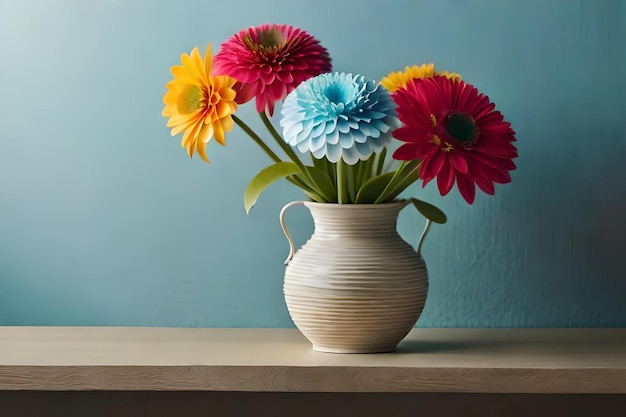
{"x": 459, "y": 163}
{"x": 508, "y": 164}
{"x": 495, "y": 146}
{"x": 405, "y": 152}
{"x": 272, "y": 60}
{"x": 415, "y": 134}
{"x": 424, "y": 105}
{"x": 245, "y": 92}
{"x": 264, "y": 103}
{"x": 483, "y": 182}
{"x": 426, "y": 149}
{"x": 466, "y": 187}
{"x": 432, "y": 166}
{"x": 267, "y": 75}
{"x": 277, "y": 91}
{"x": 285, "y": 77}
{"x": 491, "y": 119}
{"x": 445, "y": 179}
{"x": 493, "y": 168}
{"x": 484, "y": 109}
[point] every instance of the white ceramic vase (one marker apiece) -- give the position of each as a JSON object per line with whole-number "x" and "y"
{"x": 355, "y": 286}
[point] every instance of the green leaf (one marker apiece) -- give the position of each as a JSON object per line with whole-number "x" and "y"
{"x": 264, "y": 179}
{"x": 381, "y": 161}
{"x": 364, "y": 172}
{"x": 372, "y": 188}
{"x": 429, "y": 211}
{"x": 323, "y": 184}
{"x": 312, "y": 196}
{"x": 322, "y": 164}
{"x": 406, "y": 174}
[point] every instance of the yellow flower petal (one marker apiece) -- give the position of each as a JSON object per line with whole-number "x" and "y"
{"x": 399, "y": 79}
{"x": 182, "y": 125}
{"x": 223, "y": 109}
{"x": 198, "y": 104}
{"x": 208, "y": 60}
{"x": 218, "y": 131}
{"x": 228, "y": 123}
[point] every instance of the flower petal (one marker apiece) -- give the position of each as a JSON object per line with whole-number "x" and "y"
{"x": 423, "y": 105}
{"x": 273, "y": 59}
{"x": 432, "y": 166}
{"x": 459, "y": 163}
{"x": 466, "y": 187}
{"x": 198, "y": 104}
{"x": 405, "y": 152}
{"x": 445, "y": 179}
{"x": 345, "y": 115}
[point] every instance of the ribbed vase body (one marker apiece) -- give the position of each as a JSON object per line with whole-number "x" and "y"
{"x": 355, "y": 286}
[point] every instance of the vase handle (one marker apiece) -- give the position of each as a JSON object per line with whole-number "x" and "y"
{"x": 424, "y": 232}
{"x": 292, "y": 248}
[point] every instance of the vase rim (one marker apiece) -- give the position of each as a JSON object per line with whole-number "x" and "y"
{"x": 397, "y": 202}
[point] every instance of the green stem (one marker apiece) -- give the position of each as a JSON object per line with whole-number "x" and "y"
{"x": 342, "y": 192}
{"x": 360, "y": 168}
{"x": 381, "y": 161}
{"x": 352, "y": 177}
{"x": 292, "y": 179}
{"x": 290, "y": 153}
{"x": 409, "y": 178}
{"x": 368, "y": 171}
{"x": 405, "y": 175}
{"x": 391, "y": 185}
{"x": 284, "y": 145}
{"x": 256, "y": 138}
{"x": 330, "y": 169}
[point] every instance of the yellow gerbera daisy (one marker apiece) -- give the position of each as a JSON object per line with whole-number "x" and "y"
{"x": 198, "y": 104}
{"x": 399, "y": 79}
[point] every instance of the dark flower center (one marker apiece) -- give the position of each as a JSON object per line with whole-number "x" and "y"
{"x": 461, "y": 128}
{"x": 271, "y": 38}
{"x": 268, "y": 42}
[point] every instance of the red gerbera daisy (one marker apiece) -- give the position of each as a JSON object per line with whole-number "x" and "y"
{"x": 458, "y": 134}
{"x": 269, "y": 61}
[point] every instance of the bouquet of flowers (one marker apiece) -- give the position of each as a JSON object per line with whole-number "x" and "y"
{"x": 344, "y": 122}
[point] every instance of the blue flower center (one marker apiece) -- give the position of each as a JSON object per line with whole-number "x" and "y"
{"x": 337, "y": 97}
{"x": 335, "y": 94}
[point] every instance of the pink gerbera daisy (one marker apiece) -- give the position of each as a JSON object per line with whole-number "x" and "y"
{"x": 457, "y": 133}
{"x": 269, "y": 61}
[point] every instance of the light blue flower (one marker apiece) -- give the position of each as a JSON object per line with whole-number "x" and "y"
{"x": 339, "y": 115}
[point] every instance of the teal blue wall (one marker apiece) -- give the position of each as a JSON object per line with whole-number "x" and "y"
{"x": 105, "y": 221}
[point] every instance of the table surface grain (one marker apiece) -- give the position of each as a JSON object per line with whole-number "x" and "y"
{"x": 553, "y": 361}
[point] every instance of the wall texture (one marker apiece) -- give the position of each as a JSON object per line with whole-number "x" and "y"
{"x": 105, "y": 221}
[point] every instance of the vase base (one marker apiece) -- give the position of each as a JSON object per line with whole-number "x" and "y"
{"x": 334, "y": 349}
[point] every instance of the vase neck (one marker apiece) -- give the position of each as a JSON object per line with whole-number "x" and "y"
{"x": 354, "y": 219}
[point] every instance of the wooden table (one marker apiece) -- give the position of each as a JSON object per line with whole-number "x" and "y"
{"x": 115, "y": 370}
